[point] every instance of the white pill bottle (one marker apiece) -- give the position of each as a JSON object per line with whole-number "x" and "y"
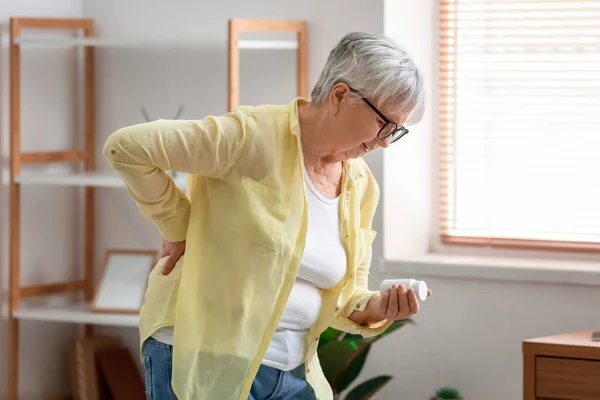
{"x": 420, "y": 287}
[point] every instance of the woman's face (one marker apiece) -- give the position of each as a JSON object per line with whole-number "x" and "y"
{"x": 355, "y": 125}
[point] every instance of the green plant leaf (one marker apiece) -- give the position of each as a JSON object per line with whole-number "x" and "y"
{"x": 335, "y": 355}
{"x": 329, "y": 335}
{"x": 367, "y": 389}
{"x": 352, "y": 368}
{"x": 393, "y": 327}
{"x": 448, "y": 392}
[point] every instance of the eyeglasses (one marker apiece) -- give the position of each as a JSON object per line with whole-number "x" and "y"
{"x": 389, "y": 128}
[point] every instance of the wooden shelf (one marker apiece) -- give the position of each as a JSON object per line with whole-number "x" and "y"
{"x": 84, "y": 179}
{"x": 268, "y": 44}
{"x": 77, "y": 313}
{"x": 34, "y": 41}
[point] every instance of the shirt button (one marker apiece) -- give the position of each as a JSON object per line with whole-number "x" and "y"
{"x": 308, "y": 370}
{"x": 357, "y": 306}
{"x": 337, "y": 309}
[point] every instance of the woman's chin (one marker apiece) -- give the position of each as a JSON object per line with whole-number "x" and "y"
{"x": 357, "y": 152}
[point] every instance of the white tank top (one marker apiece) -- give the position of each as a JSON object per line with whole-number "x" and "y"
{"x": 323, "y": 265}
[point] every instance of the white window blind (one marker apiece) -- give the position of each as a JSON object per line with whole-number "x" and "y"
{"x": 520, "y": 123}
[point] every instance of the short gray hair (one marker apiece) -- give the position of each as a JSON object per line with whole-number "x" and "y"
{"x": 379, "y": 69}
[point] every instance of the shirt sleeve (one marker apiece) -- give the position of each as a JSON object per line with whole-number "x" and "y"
{"x": 358, "y": 302}
{"x": 362, "y": 295}
{"x": 140, "y": 154}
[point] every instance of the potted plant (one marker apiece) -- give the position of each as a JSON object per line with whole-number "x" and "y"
{"x": 342, "y": 358}
{"x": 447, "y": 393}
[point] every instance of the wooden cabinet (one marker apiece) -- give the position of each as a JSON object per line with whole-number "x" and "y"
{"x": 561, "y": 367}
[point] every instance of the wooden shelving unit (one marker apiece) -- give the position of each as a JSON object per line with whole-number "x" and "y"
{"x": 238, "y": 26}
{"x": 89, "y": 179}
{"x": 85, "y": 156}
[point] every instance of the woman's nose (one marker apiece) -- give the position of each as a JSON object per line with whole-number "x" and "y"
{"x": 384, "y": 142}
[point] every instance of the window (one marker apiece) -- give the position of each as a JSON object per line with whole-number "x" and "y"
{"x": 519, "y": 123}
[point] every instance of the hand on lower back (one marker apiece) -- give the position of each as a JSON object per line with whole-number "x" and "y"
{"x": 173, "y": 251}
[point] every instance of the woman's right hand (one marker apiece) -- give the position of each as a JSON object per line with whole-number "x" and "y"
{"x": 173, "y": 251}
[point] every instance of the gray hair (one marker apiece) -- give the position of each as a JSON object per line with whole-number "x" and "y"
{"x": 379, "y": 69}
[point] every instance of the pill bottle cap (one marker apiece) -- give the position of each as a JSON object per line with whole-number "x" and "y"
{"x": 420, "y": 288}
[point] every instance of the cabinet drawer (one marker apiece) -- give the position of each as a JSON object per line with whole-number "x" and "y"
{"x": 568, "y": 379}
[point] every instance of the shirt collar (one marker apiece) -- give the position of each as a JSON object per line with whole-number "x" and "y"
{"x": 294, "y": 119}
{"x": 354, "y": 173}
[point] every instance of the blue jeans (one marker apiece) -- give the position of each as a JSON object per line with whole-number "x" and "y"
{"x": 269, "y": 383}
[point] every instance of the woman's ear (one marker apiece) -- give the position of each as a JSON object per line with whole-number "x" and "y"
{"x": 338, "y": 95}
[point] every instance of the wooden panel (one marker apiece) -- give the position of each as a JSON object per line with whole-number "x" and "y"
{"x": 12, "y": 373}
{"x": 529, "y": 377}
{"x": 41, "y": 290}
{"x": 90, "y": 166}
{"x": 52, "y": 156}
{"x": 302, "y": 61}
{"x": 563, "y": 378}
{"x": 120, "y": 372}
{"x": 268, "y": 25}
{"x": 233, "y": 67}
{"x": 51, "y": 23}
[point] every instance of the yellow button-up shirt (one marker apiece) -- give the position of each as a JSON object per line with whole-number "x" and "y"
{"x": 244, "y": 219}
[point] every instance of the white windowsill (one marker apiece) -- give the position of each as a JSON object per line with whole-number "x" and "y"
{"x": 495, "y": 268}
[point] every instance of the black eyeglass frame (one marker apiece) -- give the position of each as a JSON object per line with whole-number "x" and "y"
{"x": 398, "y": 129}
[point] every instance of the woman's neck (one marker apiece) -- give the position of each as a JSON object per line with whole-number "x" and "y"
{"x": 316, "y": 145}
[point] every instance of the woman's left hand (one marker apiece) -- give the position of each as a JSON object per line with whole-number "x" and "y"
{"x": 396, "y": 303}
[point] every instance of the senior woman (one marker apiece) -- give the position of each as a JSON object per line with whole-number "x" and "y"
{"x": 276, "y": 229}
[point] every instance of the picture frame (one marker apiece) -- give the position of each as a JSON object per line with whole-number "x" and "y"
{"x": 123, "y": 281}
